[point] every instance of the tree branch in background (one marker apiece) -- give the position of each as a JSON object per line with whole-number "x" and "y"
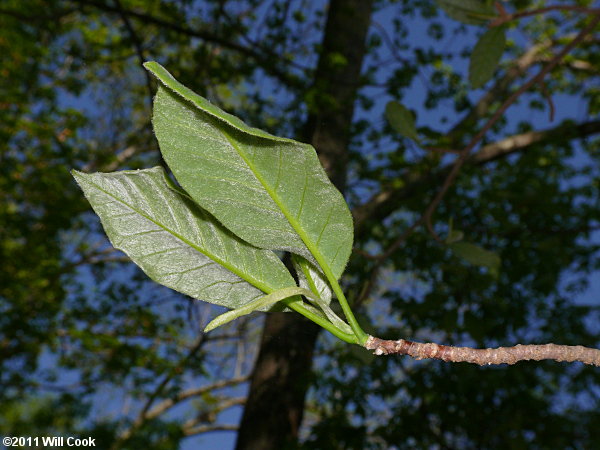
{"x": 384, "y": 203}
{"x": 194, "y": 426}
{"x": 201, "y": 429}
{"x": 535, "y": 54}
{"x": 486, "y": 154}
{"x": 147, "y": 414}
{"x": 497, "y": 91}
{"x": 189, "y": 393}
{"x": 266, "y": 60}
{"x": 504, "y": 17}
{"x": 167, "y": 404}
{"x": 368, "y": 209}
{"x": 488, "y": 356}
{"x": 137, "y": 43}
{"x": 497, "y": 115}
{"x": 520, "y": 142}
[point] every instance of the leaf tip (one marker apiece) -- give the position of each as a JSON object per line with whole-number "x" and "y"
{"x": 211, "y": 326}
{"x": 77, "y": 174}
{"x": 151, "y": 65}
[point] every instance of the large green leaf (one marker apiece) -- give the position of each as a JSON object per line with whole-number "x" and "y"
{"x": 176, "y": 243}
{"x": 272, "y": 192}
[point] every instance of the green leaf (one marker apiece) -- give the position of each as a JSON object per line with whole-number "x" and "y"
{"x": 454, "y": 236}
{"x": 269, "y": 300}
{"x": 477, "y": 256}
{"x": 472, "y": 12}
{"x": 271, "y": 192}
{"x": 401, "y": 120}
{"x": 176, "y": 243}
{"x": 486, "y": 56}
{"x": 204, "y": 105}
{"x": 309, "y": 277}
{"x": 259, "y": 304}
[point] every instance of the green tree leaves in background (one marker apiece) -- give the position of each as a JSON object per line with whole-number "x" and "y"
{"x": 88, "y": 336}
{"x": 401, "y": 120}
{"x": 486, "y": 56}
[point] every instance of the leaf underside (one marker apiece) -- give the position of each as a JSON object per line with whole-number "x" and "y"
{"x": 176, "y": 243}
{"x": 258, "y": 304}
{"x": 309, "y": 277}
{"x": 271, "y": 192}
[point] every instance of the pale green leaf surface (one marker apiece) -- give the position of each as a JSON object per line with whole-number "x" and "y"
{"x": 268, "y": 301}
{"x": 472, "y": 12}
{"x": 401, "y": 120}
{"x": 309, "y": 277}
{"x": 271, "y": 192}
{"x": 486, "y": 56}
{"x": 201, "y": 103}
{"x": 259, "y": 304}
{"x": 176, "y": 243}
{"x": 315, "y": 282}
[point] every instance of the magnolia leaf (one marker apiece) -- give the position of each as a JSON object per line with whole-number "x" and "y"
{"x": 486, "y": 56}
{"x": 401, "y": 120}
{"x": 176, "y": 243}
{"x": 266, "y": 302}
{"x": 472, "y": 12}
{"x": 271, "y": 192}
{"x": 259, "y": 304}
{"x": 477, "y": 256}
{"x": 309, "y": 277}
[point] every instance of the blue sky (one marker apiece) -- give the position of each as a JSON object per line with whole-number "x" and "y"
{"x": 569, "y": 108}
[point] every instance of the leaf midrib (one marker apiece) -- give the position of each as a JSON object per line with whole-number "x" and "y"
{"x": 257, "y": 283}
{"x": 312, "y": 248}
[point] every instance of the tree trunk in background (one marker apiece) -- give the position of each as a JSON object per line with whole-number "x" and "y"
{"x": 282, "y": 372}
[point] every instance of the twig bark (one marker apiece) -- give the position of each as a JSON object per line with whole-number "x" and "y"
{"x": 488, "y": 356}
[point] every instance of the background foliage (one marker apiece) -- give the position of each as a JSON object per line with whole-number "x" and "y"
{"x": 89, "y": 345}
